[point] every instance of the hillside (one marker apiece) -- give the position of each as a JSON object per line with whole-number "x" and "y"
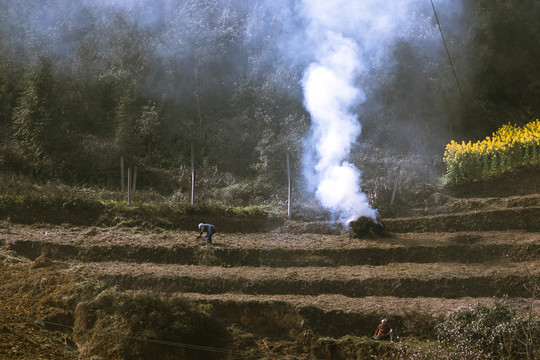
{"x": 120, "y": 293}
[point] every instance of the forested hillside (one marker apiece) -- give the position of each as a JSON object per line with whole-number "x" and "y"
{"x": 83, "y": 83}
{"x": 413, "y": 133}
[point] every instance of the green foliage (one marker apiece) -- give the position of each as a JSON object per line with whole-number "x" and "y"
{"x": 246, "y": 212}
{"x": 382, "y": 167}
{"x": 241, "y": 193}
{"x": 36, "y": 118}
{"x": 460, "y": 350}
{"x": 503, "y": 68}
{"x": 76, "y": 94}
{"x": 149, "y": 128}
{"x": 127, "y": 137}
{"x": 497, "y": 329}
{"x": 477, "y": 332}
{"x": 24, "y": 201}
{"x": 7, "y": 95}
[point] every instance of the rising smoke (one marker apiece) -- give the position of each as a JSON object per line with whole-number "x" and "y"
{"x": 336, "y": 43}
{"x": 348, "y": 38}
{"x": 329, "y": 95}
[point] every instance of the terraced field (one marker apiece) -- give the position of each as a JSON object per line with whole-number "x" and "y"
{"x": 282, "y": 294}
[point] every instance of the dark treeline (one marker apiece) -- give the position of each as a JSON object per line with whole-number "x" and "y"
{"x": 83, "y": 84}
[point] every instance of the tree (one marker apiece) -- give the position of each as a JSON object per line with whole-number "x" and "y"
{"x": 127, "y": 138}
{"x": 281, "y": 121}
{"x": 504, "y": 69}
{"x": 279, "y": 138}
{"x": 36, "y": 119}
{"x": 149, "y": 128}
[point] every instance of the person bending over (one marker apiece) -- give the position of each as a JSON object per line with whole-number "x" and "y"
{"x": 209, "y": 229}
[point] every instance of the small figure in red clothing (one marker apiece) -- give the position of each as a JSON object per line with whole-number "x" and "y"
{"x": 384, "y": 331}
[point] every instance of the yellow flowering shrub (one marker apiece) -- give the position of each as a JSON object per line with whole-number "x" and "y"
{"x": 508, "y": 147}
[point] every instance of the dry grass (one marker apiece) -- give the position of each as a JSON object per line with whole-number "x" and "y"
{"x": 309, "y": 274}
{"x": 84, "y": 236}
{"x": 67, "y": 276}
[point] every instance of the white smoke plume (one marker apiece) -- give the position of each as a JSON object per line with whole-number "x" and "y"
{"x": 329, "y": 94}
{"x": 349, "y": 38}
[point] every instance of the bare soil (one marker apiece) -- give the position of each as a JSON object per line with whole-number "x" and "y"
{"x": 301, "y": 291}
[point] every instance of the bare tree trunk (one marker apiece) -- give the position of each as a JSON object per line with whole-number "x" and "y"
{"x": 197, "y": 94}
{"x": 289, "y": 187}
{"x": 192, "y": 173}
{"x": 129, "y": 186}
{"x": 395, "y": 186}
{"x": 134, "y": 180}
{"x": 122, "y": 173}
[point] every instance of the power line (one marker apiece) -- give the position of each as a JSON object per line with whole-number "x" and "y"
{"x": 447, "y": 52}
{"x": 241, "y": 354}
{"x": 236, "y": 353}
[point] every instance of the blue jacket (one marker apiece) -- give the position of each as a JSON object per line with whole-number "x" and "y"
{"x": 208, "y": 228}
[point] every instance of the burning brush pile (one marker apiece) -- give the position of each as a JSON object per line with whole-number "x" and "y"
{"x": 367, "y": 228}
{"x": 362, "y": 228}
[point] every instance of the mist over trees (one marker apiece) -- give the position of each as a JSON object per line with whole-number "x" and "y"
{"x": 85, "y": 82}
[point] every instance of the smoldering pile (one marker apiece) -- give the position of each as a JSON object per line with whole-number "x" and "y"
{"x": 368, "y": 228}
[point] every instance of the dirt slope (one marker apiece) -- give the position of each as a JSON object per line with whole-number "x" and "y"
{"x": 73, "y": 292}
